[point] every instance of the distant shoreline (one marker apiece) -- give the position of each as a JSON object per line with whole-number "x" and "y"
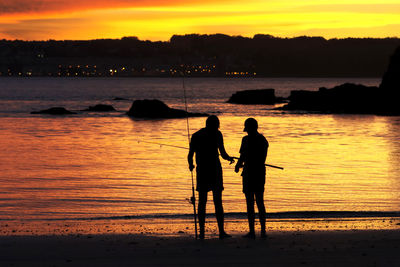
{"x": 195, "y": 55}
{"x": 196, "y": 77}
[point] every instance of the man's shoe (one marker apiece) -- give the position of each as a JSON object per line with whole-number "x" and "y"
{"x": 250, "y": 235}
{"x": 263, "y": 235}
{"x": 224, "y": 235}
{"x": 201, "y": 236}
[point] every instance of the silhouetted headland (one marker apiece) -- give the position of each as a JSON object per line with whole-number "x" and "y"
{"x": 100, "y": 108}
{"x": 198, "y": 55}
{"x": 54, "y": 111}
{"x": 259, "y": 96}
{"x": 354, "y": 98}
{"x": 154, "y": 109}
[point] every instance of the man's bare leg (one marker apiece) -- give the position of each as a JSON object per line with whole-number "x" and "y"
{"x": 261, "y": 212}
{"x": 219, "y": 213}
{"x": 202, "y": 212}
{"x": 250, "y": 214}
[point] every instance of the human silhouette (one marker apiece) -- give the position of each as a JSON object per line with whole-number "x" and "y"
{"x": 208, "y": 143}
{"x": 253, "y": 153}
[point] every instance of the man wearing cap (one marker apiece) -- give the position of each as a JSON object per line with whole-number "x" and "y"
{"x": 253, "y": 153}
{"x": 208, "y": 144}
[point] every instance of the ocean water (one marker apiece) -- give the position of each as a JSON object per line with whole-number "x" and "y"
{"x": 105, "y": 165}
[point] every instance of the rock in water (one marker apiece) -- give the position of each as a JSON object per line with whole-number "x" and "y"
{"x": 259, "y": 96}
{"x": 354, "y": 98}
{"x": 120, "y": 99}
{"x": 391, "y": 78}
{"x": 390, "y": 85}
{"x": 157, "y": 109}
{"x": 54, "y": 111}
{"x": 100, "y": 108}
{"x": 345, "y": 98}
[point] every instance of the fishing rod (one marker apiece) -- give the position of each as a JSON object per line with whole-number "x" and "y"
{"x": 268, "y": 165}
{"x": 193, "y": 198}
{"x": 181, "y": 147}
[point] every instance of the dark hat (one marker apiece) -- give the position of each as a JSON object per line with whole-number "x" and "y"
{"x": 250, "y": 124}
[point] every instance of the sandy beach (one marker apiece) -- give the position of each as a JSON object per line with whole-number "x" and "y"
{"x": 91, "y": 244}
{"x": 328, "y": 248}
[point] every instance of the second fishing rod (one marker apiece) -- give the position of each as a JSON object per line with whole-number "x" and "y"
{"x": 181, "y": 147}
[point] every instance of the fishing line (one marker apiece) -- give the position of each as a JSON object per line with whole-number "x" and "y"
{"x": 193, "y": 198}
{"x": 161, "y": 144}
{"x": 181, "y": 147}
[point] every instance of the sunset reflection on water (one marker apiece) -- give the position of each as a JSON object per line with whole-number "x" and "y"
{"x": 90, "y": 167}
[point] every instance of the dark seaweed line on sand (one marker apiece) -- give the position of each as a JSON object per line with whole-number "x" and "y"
{"x": 239, "y": 215}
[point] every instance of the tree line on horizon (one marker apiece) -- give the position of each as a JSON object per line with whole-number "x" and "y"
{"x": 203, "y": 55}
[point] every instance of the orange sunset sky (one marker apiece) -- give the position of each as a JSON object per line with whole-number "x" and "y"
{"x": 160, "y": 19}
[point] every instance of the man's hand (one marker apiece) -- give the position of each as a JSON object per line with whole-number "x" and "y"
{"x": 191, "y": 167}
{"x": 231, "y": 160}
{"x": 237, "y": 167}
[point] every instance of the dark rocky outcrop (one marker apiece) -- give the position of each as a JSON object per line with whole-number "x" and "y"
{"x": 157, "y": 109}
{"x": 390, "y": 85}
{"x": 100, "y": 108}
{"x": 354, "y": 98}
{"x": 54, "y": 111}
{"x": 259, "y": 96}
{"x": 391, "y": 78}
{"x": 345, "y": 98}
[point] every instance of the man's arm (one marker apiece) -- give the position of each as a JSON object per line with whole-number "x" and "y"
{"x": 190, "y": 156}
{"x": 239, "y": 164}
{"x": 266, "y": 145}
{"x": 222, "y": 151}
{"x": 240, "y": 161}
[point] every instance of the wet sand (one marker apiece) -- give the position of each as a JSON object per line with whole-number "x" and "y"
{"x": 311, "y": 248}
{"x": 318, "y": 242}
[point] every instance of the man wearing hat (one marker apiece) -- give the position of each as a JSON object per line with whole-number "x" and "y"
{"x": 253, "y": 153}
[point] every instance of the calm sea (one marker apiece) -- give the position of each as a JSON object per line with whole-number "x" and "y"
{"x": 98, "y": 165}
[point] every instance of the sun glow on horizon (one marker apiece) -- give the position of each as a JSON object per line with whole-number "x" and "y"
{"x": 289, "y": 18}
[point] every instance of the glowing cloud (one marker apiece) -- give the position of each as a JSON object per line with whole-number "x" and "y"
{"x": 158, "y": 20}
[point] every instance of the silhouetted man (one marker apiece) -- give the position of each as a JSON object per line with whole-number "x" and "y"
{"x": 253, "y": 153}
{"x": 208, "y": 143}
